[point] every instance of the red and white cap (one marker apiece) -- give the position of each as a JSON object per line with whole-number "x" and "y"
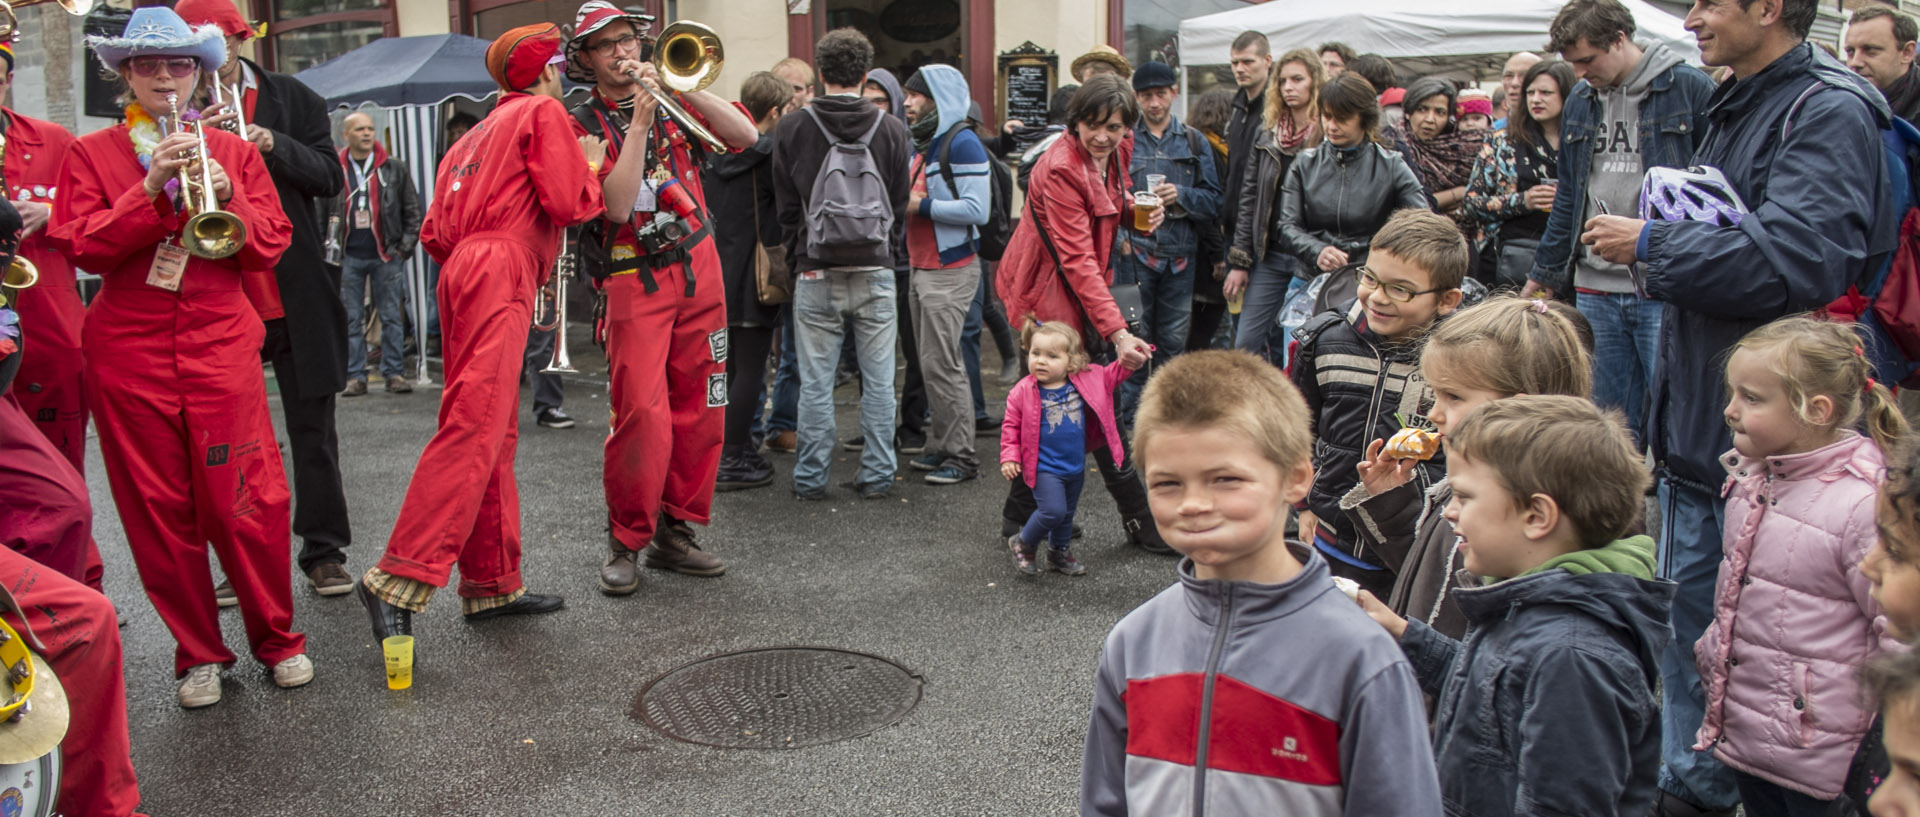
{"x": 593, "y": 16}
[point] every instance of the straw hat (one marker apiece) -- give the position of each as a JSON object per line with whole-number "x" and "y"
{"x": 1101, "y": 53}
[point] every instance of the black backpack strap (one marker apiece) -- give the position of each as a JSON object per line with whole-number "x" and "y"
{"x": 946, "y": 150}
{"x": 1194, "y": 140}
{"x": 1315, "y": 325}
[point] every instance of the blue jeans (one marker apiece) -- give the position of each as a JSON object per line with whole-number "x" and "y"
{"x": 1690, "y": 525}
{"x": 1056, "y": 497}
{"x": 1268, "y": 284}
{"x": 786, "y": 385}
{"x": 1626, "y": 342}
{"x": 1166, "y": 299}
{"x": 823, "y": 307}
{"x": 389, "y": 299}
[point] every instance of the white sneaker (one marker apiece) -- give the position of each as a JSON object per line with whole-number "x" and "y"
{"x": 293, "y": 672}
{"x": 200, "y": 687}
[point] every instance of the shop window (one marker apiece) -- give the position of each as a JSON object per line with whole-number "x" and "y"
{"x": 1153, "y": 34}
{"x": 305, "y": 33}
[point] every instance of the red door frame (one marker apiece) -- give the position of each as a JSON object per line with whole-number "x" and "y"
{"x": 976, "y": 44}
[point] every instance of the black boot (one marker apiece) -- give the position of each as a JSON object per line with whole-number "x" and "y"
{"x": 743, "y": 469}
{"x": 388, "y": 620}
{"x": 1145, "y": 535}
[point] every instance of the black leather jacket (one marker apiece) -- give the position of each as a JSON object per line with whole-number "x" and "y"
{"x": 1258, "y": 195}
{"x": 1339, "y": 198}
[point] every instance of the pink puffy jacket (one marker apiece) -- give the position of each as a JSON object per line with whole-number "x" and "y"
{"x": 1020, "y": 428}
{"x": 1792, "y": 621}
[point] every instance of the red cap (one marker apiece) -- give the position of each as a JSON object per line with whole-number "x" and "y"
{"x": 220, "y": 13}
{"x": 1393, "y": 96}
{"x": 516, "y": 59}
{"x": 1483, "y": 107}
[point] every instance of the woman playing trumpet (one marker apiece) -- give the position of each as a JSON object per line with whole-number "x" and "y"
{"x": 172, "y": 348}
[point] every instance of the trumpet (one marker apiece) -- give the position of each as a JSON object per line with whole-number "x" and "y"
{"x": 10, "y": 25}
{"x": 556, "y": 294}
{"x": 18, "y": 276}
{"x": 211, "y": 232}
{"x": 688, "y": 57}
{"x": 236, "y": 102}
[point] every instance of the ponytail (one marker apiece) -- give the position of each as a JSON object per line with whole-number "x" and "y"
{"x": 1885, "y": 423}
{"x": 1816, "y": 357}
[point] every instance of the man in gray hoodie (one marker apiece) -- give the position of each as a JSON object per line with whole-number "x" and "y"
{"x": 1635, "y": 107}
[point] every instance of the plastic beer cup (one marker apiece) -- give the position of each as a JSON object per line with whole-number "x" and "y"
{"x": 1143, "y": 204}
{"x": 399, "y": 654}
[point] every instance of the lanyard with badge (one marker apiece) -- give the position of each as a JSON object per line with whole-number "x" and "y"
{"x": 361, "y": 196}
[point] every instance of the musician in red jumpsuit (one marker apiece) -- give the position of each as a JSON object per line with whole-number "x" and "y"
{"x": 172, "y": 355}
{"x": 502, "y": 197}
{"x": 666, "y": 310}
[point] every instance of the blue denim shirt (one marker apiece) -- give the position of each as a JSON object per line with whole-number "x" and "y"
{"x": 1672, "y": 123}
{"x": 1199, "y": 201}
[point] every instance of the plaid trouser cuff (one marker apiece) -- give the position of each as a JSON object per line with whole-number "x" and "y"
{"x": 470, "y": 606}
{"x": 401, "y": 592}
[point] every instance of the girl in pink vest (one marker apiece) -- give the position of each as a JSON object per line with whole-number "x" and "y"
{"x": 1055, "y": 415}
{"x": 1794, "y": 617}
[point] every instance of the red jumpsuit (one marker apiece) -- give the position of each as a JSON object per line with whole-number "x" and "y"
{"x": 174, "y": 382}
{"x": 81, "y": 636}
{"x": 666, "y": 352}
{"x": 502, "y": 197}
{"x": 49, "y": 384}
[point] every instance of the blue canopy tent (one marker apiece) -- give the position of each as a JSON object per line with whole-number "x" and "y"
{"x": 410, "y": 77}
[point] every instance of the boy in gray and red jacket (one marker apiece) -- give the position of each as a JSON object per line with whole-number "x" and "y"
{"x": 1254, "y": 685}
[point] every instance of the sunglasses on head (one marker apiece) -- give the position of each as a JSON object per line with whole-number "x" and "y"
{"x": 176, "y": 66}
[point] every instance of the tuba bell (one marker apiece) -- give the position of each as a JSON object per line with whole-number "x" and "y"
{"x": 211, "y": 232}
{"x": 688, "y": 57}
{"x": 10, "y": 25}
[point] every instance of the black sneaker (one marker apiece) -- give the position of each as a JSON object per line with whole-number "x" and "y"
{"x": 870, "y": 490}
{"x": 553, "y": 418}
{"x": 855, "y": 444}
{"x": 986, "y": 427}
{"x": 743, "y": 470}
{"x": 1061, "y": 559}
{"x": 906, "y": 442}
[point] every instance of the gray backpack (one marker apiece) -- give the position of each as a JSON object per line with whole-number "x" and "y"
{"x": 850, "y": 215}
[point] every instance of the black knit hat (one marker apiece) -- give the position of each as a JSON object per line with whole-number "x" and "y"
{"x": 917, "y": 84}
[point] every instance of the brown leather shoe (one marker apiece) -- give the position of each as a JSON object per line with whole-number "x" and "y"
{"x": 620, "y": 576}
{"x": 398, "y": 385}
{"x": 355, "y": 388}
{"x": 785, "y": 442}
{"x": 673, "y": 549}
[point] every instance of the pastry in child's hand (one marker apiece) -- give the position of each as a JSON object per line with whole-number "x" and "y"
{"x": 1413, "y": 444}
{"x": 1347, "y": 586}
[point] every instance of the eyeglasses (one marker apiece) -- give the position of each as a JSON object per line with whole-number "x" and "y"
{"x": 177, "y": 66}
{"x": 1398, "y": 293}
{"x": 606, "y": 48}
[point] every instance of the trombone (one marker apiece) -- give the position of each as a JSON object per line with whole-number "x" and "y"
{"x": 211, "y": 232}
{"x": 10, "y": 25}
{"x": 556, "y": 294}
{"x": 688, "y": 57}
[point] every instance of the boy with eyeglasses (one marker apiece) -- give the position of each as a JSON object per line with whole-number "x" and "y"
{"x": 1360, "y": 374}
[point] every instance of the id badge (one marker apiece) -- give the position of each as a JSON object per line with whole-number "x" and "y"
{"x": 363, "y": 219}
{"x": 169, "y": 264}
{"x": 646, "y": 201}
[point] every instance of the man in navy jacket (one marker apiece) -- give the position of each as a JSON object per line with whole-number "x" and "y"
{"x": 1797, "y": 136}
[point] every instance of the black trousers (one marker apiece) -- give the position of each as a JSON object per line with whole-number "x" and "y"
{"x": 1206, "y": 321}
{"x": 319, "y": 499}
{"x": 747, "y": 348}
{"x": 913, "y": 393}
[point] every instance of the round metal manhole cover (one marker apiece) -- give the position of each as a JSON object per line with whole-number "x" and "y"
{"x": 778, "y": 698}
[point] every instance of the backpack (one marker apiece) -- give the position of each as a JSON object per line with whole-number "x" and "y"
{"x": 998, "y": 230}
{"x": 1886, "y": 305}
{"x": 850, "y": 213}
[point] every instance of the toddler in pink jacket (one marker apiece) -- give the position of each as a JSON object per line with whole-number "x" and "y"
{"x": 1055, "y": 415}
{"x": 1794, "y": 618}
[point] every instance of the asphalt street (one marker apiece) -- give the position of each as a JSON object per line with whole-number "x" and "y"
{"x": 531, "y": 716}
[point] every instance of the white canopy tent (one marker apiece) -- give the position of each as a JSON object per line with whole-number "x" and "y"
{"x": 1461, "y": 40}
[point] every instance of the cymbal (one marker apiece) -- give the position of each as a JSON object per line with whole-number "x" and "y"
{"x": 40, "y": 730}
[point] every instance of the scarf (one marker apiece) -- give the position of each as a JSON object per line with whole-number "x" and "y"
{"x": 144, "y": 131}
{"x": 1443, "y": 162}
{"x": 1290, "y": 137}
{"x": 1903, "y": 96}
{"x": 924, "y": 130}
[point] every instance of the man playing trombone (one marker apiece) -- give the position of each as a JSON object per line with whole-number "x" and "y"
{"x": 299, "y": 298}
{"x": 666, "y": 312}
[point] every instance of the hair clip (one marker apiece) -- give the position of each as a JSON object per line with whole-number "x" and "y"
{"x": 1540, "y": 305}
{"x": 1859, "y": 351}
{"x": 1870, "y": 385}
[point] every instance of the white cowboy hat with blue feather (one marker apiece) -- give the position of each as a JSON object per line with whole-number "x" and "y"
{"x": 157, "y": 31}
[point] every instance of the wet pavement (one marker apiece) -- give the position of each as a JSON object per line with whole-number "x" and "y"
{"x": 532, "y": 716}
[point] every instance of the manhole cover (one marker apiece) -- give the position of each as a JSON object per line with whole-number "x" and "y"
{"x": 778, "y": 698}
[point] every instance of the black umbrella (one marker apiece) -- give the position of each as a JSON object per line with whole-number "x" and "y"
{"x": 394, "y": 71}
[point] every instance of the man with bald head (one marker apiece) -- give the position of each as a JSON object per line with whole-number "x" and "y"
{"x": 1510, "y": 78}
{"x": 377, "y": 223}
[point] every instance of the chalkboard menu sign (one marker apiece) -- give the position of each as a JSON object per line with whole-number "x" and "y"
{"x": 1029, "y": 88}
{"x": 1027, "y": 77}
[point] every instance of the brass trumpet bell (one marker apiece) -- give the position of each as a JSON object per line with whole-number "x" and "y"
{"x": 18, "y": 276}
{"x": 10, "y": 25}
{"x": 214, "y": 234}
{"x": 689, "y": 57}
